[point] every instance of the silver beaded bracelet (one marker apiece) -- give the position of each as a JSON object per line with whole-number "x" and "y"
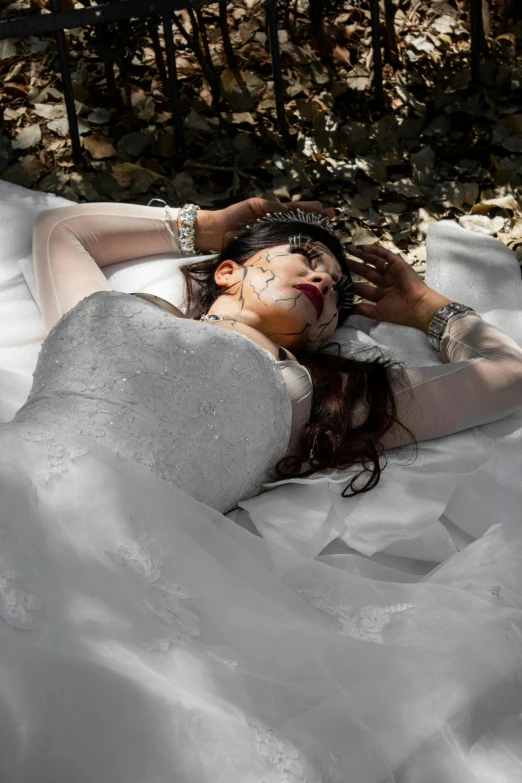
{"x": 441, "y": 319}
{"x": 187, "y": 217}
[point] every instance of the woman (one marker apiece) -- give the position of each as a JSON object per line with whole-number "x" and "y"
{"x": 145, "y": 637}
{"x": 286, "y": 286}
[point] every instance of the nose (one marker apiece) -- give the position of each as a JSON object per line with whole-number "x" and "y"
{"x": 323, "y": 280}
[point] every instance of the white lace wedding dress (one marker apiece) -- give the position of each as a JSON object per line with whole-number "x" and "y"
{"x": 146, "y": 638}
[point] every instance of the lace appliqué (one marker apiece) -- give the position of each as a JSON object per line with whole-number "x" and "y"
{"x": 58, "y": 454}
{"x": 165, "y": 599}
{"x": 227, "y": 745}
{"x": 286, "y": 759}
{"x": 366, "y": 623}
{"x": 202, "y": 408}
{"x": 18, "y": 606}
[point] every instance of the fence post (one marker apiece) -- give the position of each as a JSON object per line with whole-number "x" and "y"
{"x": 377, "y": 56}
{"x": 477, "y": 34}
{"x": 271, "y": 16}
{"x": 175, "y": 98}
{"x": 68, "y": 92}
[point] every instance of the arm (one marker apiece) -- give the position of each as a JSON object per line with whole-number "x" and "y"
{"x": 71, "y": 245}
{"x": 482, "y": 378}
{"x": 481, "y": 381}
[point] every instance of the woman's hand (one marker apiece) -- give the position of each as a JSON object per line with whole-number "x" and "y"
{"x": 213, "y": 226}
{"x": 400, "y": 295}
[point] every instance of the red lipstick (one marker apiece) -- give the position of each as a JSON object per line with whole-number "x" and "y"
{"x": 314, "y": 295}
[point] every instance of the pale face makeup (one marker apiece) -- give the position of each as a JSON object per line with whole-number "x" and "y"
{"x": 261, "y": 293}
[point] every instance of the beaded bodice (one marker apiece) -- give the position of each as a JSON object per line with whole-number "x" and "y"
{"x": 203, "y": 408}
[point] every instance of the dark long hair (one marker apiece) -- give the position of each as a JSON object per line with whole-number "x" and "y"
{"x": 330, "y": 440}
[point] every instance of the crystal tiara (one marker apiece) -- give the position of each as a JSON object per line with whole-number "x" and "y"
{"x": 296, "y": 215}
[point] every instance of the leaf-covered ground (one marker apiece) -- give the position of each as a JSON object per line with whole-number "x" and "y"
{"x": 443, "y": 148}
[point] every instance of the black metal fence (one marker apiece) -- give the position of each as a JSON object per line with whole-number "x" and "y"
{"x": 160, "y": 11}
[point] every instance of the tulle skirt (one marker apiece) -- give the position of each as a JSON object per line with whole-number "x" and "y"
{"x": 146, "y": 638}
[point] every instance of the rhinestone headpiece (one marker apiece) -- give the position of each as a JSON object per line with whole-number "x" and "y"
{"x": 296, "y": 215}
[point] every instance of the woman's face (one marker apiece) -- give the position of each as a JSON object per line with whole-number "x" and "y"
{"x": 285, "y": 292}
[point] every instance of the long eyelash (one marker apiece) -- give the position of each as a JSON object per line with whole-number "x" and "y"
{"x": 342, "y": 289}
{"x": 304, "y": 245}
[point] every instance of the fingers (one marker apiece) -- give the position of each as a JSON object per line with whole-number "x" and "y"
{"x": 365, "y": 270}
{"x": 380, "y": 257}
{"x": 377, "y": 250}
{"x": 365, "y": 291}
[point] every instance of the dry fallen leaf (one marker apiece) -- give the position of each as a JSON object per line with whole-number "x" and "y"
{"x": 26, "y": 172}
{"x": 361, "y": 236}
{"x": 196, "y": 121}
{"x": 481, "y": 224}
{"x": 61, "y": 126}
{"x": 14, "y": 114}
{"x": 99, "y": 147}
{"x": 126, "y": 174}
{"x": 515, "y": 228}
{"x": 434, "y": 153}
{"x": 99, "y": 116}
{"x": 50, "y": 111}
{"x": 357, "y": 78}
{"x": 7, "y": 48}
{"x": 135, "y": 143}
{"x": 505, "y": 202}
{"x": 28, "y": 137}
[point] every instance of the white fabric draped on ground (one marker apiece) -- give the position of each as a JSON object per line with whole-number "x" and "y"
{"x": 308, "y": 515}
{"x": 146, "y": 637}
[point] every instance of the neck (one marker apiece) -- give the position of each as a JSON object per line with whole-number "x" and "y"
{"x": 231, "y": 311}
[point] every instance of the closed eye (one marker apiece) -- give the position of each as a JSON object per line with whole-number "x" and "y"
{"x": 307, "y": 253}
{"x": 310, "y": 253}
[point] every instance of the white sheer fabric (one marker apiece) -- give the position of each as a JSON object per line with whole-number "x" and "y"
{"x": 482, "y": 384}
{"x": 389, "y": 521}
{"x": 145, "y": 636}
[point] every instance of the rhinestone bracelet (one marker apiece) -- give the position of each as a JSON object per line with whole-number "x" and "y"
{"x": 441, "y": 319}
{"x": 187, "y": 217}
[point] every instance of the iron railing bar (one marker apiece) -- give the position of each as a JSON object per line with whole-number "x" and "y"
{"x": 108, "y": 65}
{"x": 153, "y": 28}
{"x": 85, "y": 17}
{"x": 477, "y": 32}
{"x": 68, "y": 92}
{"x": 58, "y": 21}
{"x": 377, "y": 56}
{"x": 279, "y": 90}
{"x": 174, "y": 91}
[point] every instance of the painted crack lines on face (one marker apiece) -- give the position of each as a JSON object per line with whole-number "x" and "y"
{"x": 270, "y": 256}
{"x": 266, "y": 282}
{"x": 292, "y": 334}
{"x": 321, "y": 328}
{"x": 239, "y": 291}
{"x": 290, "y": 299}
